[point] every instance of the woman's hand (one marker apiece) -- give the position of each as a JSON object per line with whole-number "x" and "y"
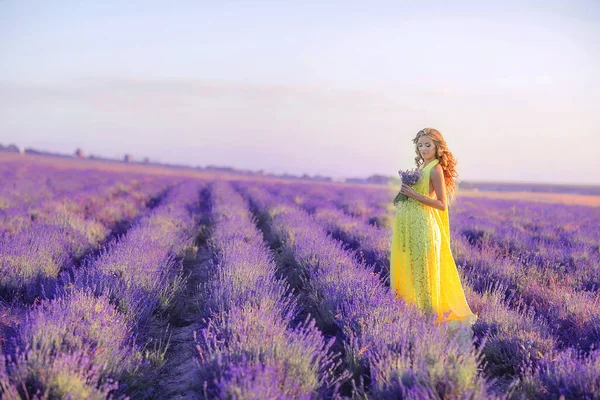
{"x": 408, "y": 191}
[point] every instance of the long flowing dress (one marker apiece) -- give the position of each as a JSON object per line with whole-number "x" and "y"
{"x": 422, "y": 268}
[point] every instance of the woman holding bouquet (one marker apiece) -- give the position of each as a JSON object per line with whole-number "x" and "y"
{"x": 422, "y": 268}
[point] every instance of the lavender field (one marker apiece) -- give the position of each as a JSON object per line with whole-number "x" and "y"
{"x": 125, "y": 282}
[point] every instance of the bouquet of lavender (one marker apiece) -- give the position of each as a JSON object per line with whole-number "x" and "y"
{"x": 409, "y": 177}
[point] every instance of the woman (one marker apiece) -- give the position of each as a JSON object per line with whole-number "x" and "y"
{"x": 422, "y": 269}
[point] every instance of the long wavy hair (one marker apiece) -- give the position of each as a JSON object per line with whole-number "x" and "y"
{"x": 447, "y": 159}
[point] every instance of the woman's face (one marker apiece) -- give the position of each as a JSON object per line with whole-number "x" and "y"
{"x": 426, "y": 147}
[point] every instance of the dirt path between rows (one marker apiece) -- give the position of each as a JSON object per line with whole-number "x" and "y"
{"x": 178, "y": 378}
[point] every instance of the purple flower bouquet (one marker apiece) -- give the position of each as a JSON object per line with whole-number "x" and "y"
{"x": 409, "y": 177}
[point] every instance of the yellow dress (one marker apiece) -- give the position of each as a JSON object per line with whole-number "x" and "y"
{"x": 422, "y": 268}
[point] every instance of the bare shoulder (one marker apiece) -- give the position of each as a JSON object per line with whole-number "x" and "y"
{"x": 437, "y": 171}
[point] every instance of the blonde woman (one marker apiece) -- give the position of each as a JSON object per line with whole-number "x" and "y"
{"x": 422, "y": 268}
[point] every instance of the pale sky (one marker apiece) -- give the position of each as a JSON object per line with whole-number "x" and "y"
{"x": 338, "y": 89}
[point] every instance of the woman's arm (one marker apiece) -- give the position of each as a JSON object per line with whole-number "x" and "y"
{"x": 437, "y": 178}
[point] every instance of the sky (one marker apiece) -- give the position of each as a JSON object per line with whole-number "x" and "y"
{"x": 336, "y": 88}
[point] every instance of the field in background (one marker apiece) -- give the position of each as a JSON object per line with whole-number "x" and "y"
{"x": 560, "y": 198}
{"x": 152, "y": 282}
{"x": 564, "y": 194}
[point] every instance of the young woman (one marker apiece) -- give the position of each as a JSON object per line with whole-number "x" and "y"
{"x": 422, "y": 268}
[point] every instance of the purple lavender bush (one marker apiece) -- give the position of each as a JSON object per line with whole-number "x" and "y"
{"x": 73, "y": 344}
{"x": 377, "y": 329}
{"x": 82, "y": 344}
{"x": 250, "y": 347}
{"x": 295, "y": 303}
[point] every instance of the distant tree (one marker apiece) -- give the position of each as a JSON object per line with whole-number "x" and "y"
{"x": 378, "y": 179}
{"x": 13, "y": 148}
{"x": 127, "y": 158}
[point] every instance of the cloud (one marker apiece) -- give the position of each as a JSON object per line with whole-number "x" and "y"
{"x": 135, "y": 94}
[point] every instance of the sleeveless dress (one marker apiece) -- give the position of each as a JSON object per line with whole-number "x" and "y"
{"x": 422, "y": 268}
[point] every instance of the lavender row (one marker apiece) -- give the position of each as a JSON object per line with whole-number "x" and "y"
{"x": 504, "y": 352}
{"x": 557, "y": 243}
{"x": 534, "y": 250}
{"x": 556, "y": 301}
{"x": 34, "y": 258}
{"x": 23, "y": 184}
{"x": 553, "y": 242}
{"x": 371, "y": 205}
{"x": 524, "y": 357}
{"x": 573, "y": 317}
{"x": 356, "y": 230}
{"x": 510, "y": 354}
{"x": 136, "y": 270}
{"x": 104, "y": 202}
{"x": 386, "y": 341}
{"x": 249, "y": 348}
{"x": 80, "y": 343}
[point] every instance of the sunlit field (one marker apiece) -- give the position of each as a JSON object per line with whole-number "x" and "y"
{"x": 151, "y": 282}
